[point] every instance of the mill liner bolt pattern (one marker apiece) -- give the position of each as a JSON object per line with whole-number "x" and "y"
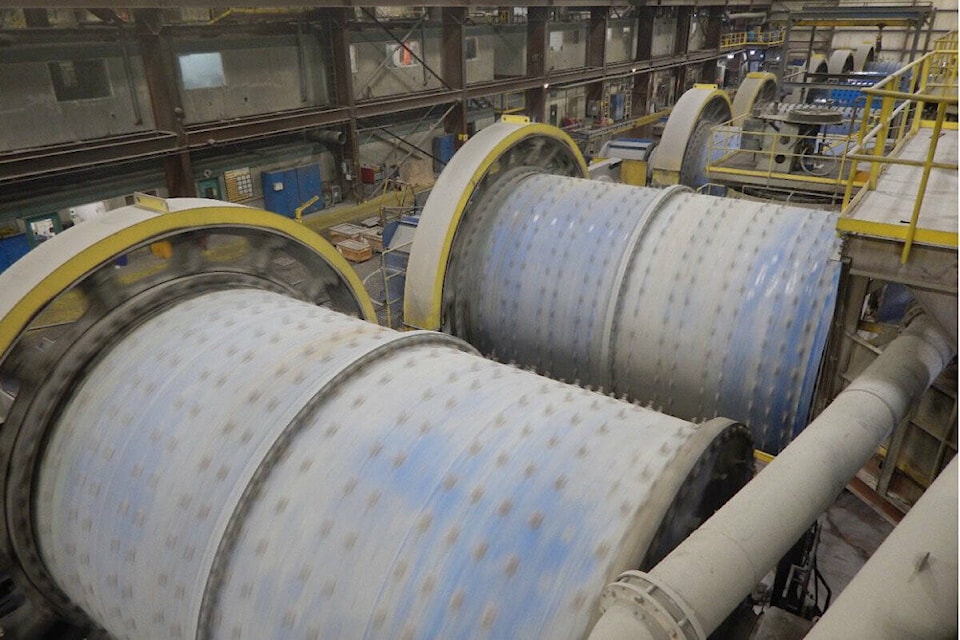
{"x": 701, "y": 306}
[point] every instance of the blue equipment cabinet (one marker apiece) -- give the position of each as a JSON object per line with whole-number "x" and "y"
{"x": 12, "y": 248}
{"x": 286, "y": 189}
{"x": 443, "y": 149}
{"x": 617, "y": 106}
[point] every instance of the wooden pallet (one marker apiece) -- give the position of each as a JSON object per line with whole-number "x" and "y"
{"x": 355, "y": 250}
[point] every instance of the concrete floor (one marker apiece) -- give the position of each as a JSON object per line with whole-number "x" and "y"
{"x": 851, "y": 532}
{"x": 892, "y": 201}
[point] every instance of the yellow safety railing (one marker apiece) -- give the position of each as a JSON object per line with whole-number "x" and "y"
{"x": 933, "y": 81}
{"x": 946, "y": 43}
{"x": 758, "y": 38}
{"x": 772, "y": 155}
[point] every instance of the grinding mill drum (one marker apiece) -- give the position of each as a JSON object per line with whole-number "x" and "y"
{"x": 701, "y": 306}
{"x": 232, "y": 460}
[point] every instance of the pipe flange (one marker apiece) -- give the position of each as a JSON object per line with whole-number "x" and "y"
{"x": 481, "y": 162}
{"x": 725, "y": 467}
{"x": 661, "y": 613}
{"x": 66, "y": 302}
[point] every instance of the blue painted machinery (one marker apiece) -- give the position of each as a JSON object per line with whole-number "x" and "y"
{"x": 698, "y": 306}
{"x": 212, "y": 451}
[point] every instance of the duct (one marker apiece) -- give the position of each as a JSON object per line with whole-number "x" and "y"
{"x": 353, "y": 482}
{"x": 700, "y": 306}
{"x": 908, "y": 588}
{"x": 698, "y": 584}
{"x": 940, "y": 306}
{"x": 750, "y": 15}
{"x": 331, "y": 137}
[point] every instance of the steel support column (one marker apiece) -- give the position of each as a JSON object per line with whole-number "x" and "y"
{"x": 159, "y": 68}
{"x": 336, "y": 21}
{"x": 535, "y": 97}
{"x": 597, "y": 37}
{"x": 684, "y": 14}
{"x": 596, "y": 50}
{"x": 712, "y": 33}
{"x": 645, "y": 33}
{"x": 454, "y": 65}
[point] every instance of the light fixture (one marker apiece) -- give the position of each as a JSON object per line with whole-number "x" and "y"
{"x": 729, "y": 56}
{"x": 546, "y": 85}
{"x": 753, "y": 52}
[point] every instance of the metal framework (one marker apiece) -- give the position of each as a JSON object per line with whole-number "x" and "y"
{"x": 176, "y": 142}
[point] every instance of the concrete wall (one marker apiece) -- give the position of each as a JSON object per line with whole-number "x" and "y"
{"x": 30, "y": 115}
{"x": 381, "y": 149}
{"x": 509, "y": 51}
{"x": 621, "y": 39}
{"x": 261, "y": 76}
{"x": 566, "y": 45}
{"x": 372, "y": 79}
{"x": 568, "y": 102}
{"x": 481, "y": 68}
{"x": 664, "y": 35}
{"x": 698, "y": 36}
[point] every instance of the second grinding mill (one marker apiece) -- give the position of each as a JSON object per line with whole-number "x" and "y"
{"x": 700, "y": 306}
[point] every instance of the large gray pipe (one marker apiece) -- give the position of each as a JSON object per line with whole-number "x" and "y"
{"x": 702, "y": 580}
{"x": 908, "y": 588}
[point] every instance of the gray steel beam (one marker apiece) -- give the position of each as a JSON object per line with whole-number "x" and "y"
{"x": 159, "y": 66}
{"x": 455, "y": 65}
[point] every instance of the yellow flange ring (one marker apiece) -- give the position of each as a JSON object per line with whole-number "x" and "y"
{"x": 486, "y": 154}
{"x": 35, "y": 280}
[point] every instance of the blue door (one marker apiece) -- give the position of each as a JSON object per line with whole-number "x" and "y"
{"x": 310, "y": 185}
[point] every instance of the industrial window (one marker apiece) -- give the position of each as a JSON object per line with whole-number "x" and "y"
{"x": 79, "y": 79}
{"x": 470, "y": 48}
{"x": 353, "y": 59}
{"x": 202, "y": 70}
{"x": 404, "y": 55}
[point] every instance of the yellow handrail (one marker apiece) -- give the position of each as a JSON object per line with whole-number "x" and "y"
{"x": 725, "y": 147}
{"x": 757, "y": 37}
{"x": 934, "y": 81}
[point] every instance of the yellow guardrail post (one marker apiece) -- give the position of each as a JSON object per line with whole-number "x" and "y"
{"x": 773, "y": 155}
{"x": 861, "y": 134}
{"x": 931, "y": 153}
{"x": 921, "y": 89}
{"x": 880, "y": 143}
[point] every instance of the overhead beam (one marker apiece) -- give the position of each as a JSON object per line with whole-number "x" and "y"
{"x": 170, "y": 4}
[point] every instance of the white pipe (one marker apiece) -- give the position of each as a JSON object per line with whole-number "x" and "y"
{"x": 711, "y": 572}
{"x": 908, "y": 588}
{"x": 750, "y": 15}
